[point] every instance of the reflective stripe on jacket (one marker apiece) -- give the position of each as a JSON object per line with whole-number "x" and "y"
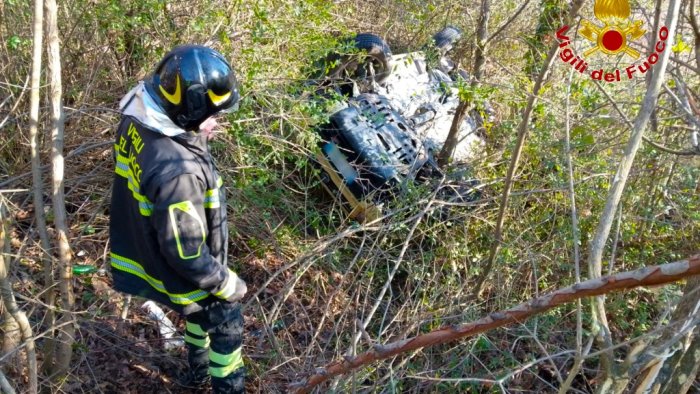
{"x": 168, "y": 229}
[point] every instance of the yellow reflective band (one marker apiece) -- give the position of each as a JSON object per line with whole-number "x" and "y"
{"x": 195, "y": 329}
{"x": 130, "y": 266}
{"x": 188, "y": 208}
{"x": 122, "y": 166}
{"x": 230, "y": 362}
{"x": 197, "y": 341}
{"x": 215, "y": 192}
{"x": 176, "y": 97}
{"x": 212, "y": 201}
{"x": 216, "y": 99}
{"x": 211, "y": 196}
{"x": 122, "y": 169}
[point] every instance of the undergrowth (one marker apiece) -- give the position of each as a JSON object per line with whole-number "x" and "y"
{"x": 285, "y": 229}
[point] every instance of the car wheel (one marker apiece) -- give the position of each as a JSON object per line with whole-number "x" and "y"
{"x": 373, "y": 63}
{"x": 447, "y": 37}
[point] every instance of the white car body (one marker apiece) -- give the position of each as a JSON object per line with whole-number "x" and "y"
{"x": 413, "y": 89}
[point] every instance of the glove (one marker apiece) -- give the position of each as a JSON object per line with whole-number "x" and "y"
{"x": 234, "y": 289}
{"x": 241, "y": 289}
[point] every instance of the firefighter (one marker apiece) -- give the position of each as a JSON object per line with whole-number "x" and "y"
{"x": 168, "y": 229}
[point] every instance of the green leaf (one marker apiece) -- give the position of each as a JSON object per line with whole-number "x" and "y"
{"x": 13, "y": 42}
{"x": 578, "y": 131}
{"x": 681, "y": 46}
{"x": 587, "y": 140}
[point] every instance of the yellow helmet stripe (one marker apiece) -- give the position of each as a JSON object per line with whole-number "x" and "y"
{"x": 176, "y": 97}
{"x": 216, "y": 99}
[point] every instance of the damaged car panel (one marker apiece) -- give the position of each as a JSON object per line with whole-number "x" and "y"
{"x": 387, "y": 133}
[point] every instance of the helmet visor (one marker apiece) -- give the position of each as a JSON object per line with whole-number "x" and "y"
{"x": 233, "y": 106}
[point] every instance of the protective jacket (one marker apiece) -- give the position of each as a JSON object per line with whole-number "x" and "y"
{"x": 168, "y": 227}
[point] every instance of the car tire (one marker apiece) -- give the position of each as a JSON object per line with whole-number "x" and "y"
{"x": 447, "y": 37}
{"x": 376, "y": 52}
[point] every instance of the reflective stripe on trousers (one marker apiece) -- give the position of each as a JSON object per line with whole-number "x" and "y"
{"x": 220, "y": 329}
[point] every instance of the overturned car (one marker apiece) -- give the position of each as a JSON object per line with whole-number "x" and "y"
{"x": 392, "y": 118}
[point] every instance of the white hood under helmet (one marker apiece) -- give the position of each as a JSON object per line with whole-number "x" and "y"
{"x": 139, "y": 105}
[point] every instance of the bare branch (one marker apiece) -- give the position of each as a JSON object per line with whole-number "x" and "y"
{"x": 508, "y": 22}
{"x": 395, "y": 268}
{"x": 17, "y": 102}
{"x": 644, "y": 138}
{"x": 647, "y": 276}
{"x": 75, "y": 152}
{"x": 5, "y": 385}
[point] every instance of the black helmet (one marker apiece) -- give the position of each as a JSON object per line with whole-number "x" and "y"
{"x": 193, "y": 82}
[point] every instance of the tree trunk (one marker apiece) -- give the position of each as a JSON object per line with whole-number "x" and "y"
{"x": 696, "y": 30}
{"x": 669, "y": 375}
{"x": 600, "y": 237}
{"x": 576, "y": 237}
{"x": 685, "y": 372}
{"x": 65, "y": 338}
{"x": 477, "y": 71}
{"x": 34, "y": 98}
{"x": 448, "y": 148}
{"x": 12, "y": 337}
{"x": 8, "y": 299}
{"x": 37, "y": 179}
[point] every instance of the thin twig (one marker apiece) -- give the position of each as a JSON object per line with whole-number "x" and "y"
{"x": 76, "y": 152}
{"x": 508, "y": 22}
{"x": 575, "y": 233}
{"x": 396, "y": 266}
{"x": 19, "y": 99}
{"x": 5, "y": 385}
{"x": 644, "y": 138}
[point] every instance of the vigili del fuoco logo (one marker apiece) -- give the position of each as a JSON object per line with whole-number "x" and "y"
{"x": 613, "y": 38}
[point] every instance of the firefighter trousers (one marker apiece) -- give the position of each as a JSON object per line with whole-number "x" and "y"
{"x": 214, "y": 338}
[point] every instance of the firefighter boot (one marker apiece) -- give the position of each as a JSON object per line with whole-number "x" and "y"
{"x": 197, "y": 342}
